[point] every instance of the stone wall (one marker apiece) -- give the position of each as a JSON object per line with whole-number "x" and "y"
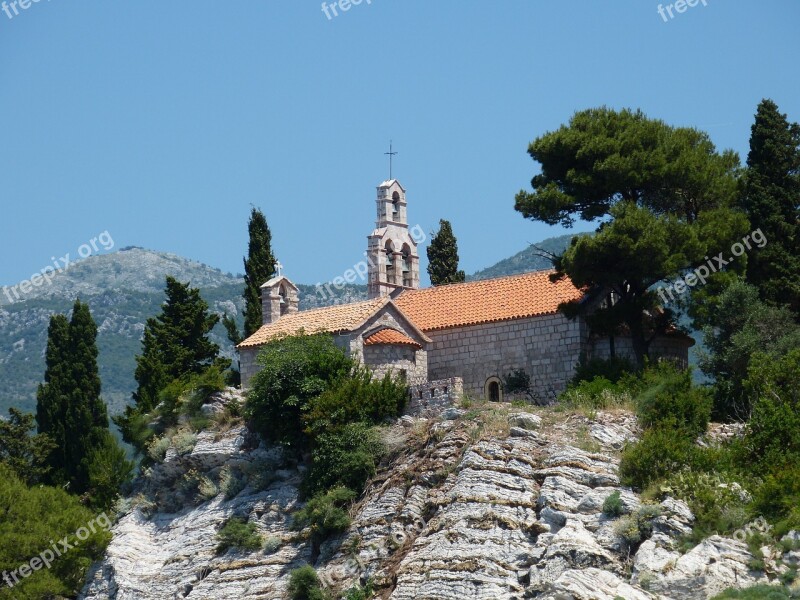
{"x": 431, "y": 398}
{"x": 547, "y": 348}
{"x": 672, "y": 347}
{"x": 247, "y": 365}
{"x": 397, "y": 359}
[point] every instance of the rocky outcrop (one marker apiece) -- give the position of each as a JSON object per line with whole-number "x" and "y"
{"x": 480, "y": 504}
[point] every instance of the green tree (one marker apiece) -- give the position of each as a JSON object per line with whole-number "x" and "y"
{"x": 175, "y": 343}
{"x": 52, "y": 395}
{"x": 668, "y": 194}
{"x": 772, "y": 199}
{"x": 443, "y": 256}
{"x": 294, "y": 371}
{"x": 32, "y": 520}
{"x": 86, "y": 417}
{"x": 739, "y": 326}
{"x": 25, "y": 454}
{"x": 259, "y": 267}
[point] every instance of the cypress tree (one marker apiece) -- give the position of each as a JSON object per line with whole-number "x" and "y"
{"x": 443, "y": 256}
{"x": 259, "y": 267}
{"x": 771, "y": 199}
{"x": 52, "y": 396}
{"x": 86, "y": 415}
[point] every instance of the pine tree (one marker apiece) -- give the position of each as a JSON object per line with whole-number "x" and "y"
{"x": 259, "y": 267}
{"x": 52, "y": 396}
{"x": 443, "y": 256}
{"x": 27, "y": 455}
{"x": 175, "y": 344}
{"x": 771, "y": 199}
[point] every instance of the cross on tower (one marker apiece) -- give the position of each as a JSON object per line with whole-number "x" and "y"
{"x": 279, "y": 267}
{"x": 391, "y": 156}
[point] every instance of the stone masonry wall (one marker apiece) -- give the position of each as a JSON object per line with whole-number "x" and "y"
{"x": 247, "y": 365}
{"x": 547, "y": 348}
{"x": 397, "y": 359}
{"x": 668, "y": 346}
{"x": 431, "y": 398}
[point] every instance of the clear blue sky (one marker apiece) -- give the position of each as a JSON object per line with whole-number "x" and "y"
{"x": 162, "y": 122}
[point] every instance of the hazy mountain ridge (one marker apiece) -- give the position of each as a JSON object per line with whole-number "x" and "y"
{"x": 126, "y": 287}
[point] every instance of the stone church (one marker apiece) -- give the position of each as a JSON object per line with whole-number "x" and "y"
{"x": 476, "y": 332}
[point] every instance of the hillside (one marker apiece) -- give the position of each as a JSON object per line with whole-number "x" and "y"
{"x": 123, "y": 290}
{"x": 525, "y": 261}
{"x": 484, "y": 503}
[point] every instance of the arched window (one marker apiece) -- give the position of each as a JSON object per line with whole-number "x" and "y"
{"x": 493, "y": 389}
{"x": 406, "y": 252}
{"x": 390, "y": 266}
{"x": 395, "y": 206}
{"x": 284, "y": 294}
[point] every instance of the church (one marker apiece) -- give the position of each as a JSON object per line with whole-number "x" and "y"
{"x": 477, "y": 332}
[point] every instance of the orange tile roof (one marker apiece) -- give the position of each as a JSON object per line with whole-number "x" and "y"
{"x": 390, "y": 336}
{"x": 330, "y": 319}
{"x": 486, "y": 301}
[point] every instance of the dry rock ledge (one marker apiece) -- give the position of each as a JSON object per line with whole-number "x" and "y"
{"x": 486, "y": 504}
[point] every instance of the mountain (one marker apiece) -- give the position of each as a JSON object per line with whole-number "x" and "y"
{"x": 123, "y": 289}
{"x": 527, "y": 260}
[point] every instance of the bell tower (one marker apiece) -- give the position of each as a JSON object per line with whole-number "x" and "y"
{"x": 391, "y": 251}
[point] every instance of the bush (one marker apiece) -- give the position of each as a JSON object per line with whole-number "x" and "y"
{"x": 659, "y": 453}
{"x": 599, "y": 393}
{"x": 669, "y": 400}
{"x": 772, "y": 437}
{"x": 344, "y": 457}
{"x": 613, "y": 506}
{"x": 239, "y": 534}
{"x": 304, "y": 584}
{"x": 778, "y": 498}
{"x": 357, "y": 398}
{"x": 294, "y": 370}
{"x": 638, "y": 526}
{"x": 717, "y": 501}
{"x": 325, "y": 514}
{"x": 759, "y": 592}
{"x": 32, "y": 519}
{"x": 109, "y": 469}
{"x": 360, "y": 593}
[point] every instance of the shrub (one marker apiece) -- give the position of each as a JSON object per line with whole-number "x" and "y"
{"x": 357, "y": 398}
{"x": 231, "y": 482}
{"x": 759, "y": 592}
{"x": 360, "y": 593}
{"x": 239, "y": 534}
{"x": 636, "y": 527}
{"x": 669, "y": 400}
{"x": 325, "y": 514}
{"x": 32, "y": 519}
{"x": 717, "y": 501}
{"x": 599, "y": 393}
{"x": 772, "y": 437}
{"x": 344, "y": 457}
{"x": 659, "y": 453}
{"x": 294, "y": 370}
{"x": 778, "y": 498}
{"x": 613, "y": 505}
{"x": 304, "y": 584}
{"x": 157, "y": 448}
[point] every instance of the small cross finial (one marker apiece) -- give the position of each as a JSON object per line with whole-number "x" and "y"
{"x": 391, "y": 155}
{"x": 279, "y": 267}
